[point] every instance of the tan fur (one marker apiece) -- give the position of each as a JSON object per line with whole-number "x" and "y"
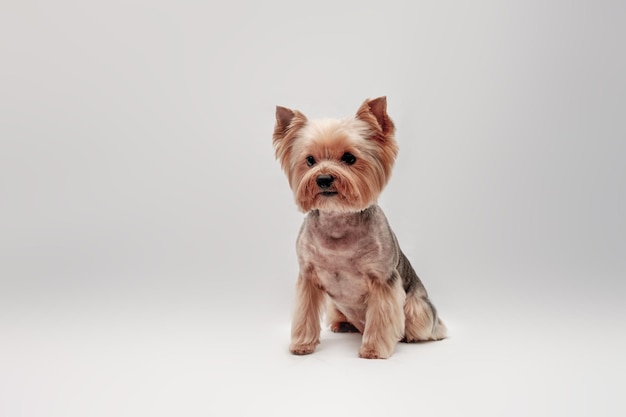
{"x": 288, "y": 123}
{"x": 334, "y": 318}
{"x": 328, "y": 140}
{"x": 347, "y": 253}
{"x": 420, "y": 323}
{"x": 384, "y": 320}
{"x": 306, "y": 328}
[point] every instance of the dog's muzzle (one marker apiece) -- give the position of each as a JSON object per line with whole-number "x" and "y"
{"x": 324, "y": 181}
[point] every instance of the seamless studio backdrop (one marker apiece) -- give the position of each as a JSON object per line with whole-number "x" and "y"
{"x": 147, "y": 259}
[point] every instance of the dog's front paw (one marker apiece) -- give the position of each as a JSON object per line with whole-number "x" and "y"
{"x": 371, "y": 352}
{"x": 302, "y": 348}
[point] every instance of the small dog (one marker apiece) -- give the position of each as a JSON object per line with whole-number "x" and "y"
{"x": 348, "y": 255}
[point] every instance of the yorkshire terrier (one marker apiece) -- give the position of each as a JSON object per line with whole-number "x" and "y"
{"x": 349, "y": 257}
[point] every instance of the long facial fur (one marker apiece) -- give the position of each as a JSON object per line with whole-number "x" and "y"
{"x": 347, "y": 252}
{"x": 369, "y": 136}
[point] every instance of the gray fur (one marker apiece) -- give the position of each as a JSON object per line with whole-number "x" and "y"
{"x": 345, "y": 250}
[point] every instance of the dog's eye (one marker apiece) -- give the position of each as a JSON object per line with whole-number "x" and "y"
{"x": 348, "y": 158}
{"x": 310, "y": 161}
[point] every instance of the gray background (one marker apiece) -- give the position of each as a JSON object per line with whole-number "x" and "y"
{"x": 147, "y": 256}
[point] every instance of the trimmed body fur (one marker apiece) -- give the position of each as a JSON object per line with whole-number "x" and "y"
{"x": 350, "y": 260}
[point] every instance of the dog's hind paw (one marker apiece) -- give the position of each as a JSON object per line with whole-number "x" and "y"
{"x": 343, "y": 327}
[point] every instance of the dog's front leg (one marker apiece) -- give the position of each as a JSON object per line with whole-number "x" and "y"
{"x": 305, "y": 328}
{"x": 384, "y": 317}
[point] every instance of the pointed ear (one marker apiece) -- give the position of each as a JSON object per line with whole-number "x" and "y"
{"x": 283, "y": 118}
{"x": 374, "y": 113}
{"x": 288, "y": 122}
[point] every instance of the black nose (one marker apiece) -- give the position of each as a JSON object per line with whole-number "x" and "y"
{"x": 324, "y": 181}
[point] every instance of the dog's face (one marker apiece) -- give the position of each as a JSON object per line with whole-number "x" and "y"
{"x": 336, "y": 164}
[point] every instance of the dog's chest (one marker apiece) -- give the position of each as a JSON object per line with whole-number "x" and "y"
{"x": 342, "y": 274}
{"x": 344, "y": 263}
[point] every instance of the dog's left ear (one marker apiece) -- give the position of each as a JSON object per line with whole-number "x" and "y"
{"x": 374, "y": 113}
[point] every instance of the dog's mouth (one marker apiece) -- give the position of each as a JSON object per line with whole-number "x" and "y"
{"x": 328, "y": 193}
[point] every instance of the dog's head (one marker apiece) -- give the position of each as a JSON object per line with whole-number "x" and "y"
{"x": 336, "y": 164}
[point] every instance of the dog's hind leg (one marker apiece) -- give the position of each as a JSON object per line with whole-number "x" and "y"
{"x": 337, "y": 321}
{"x": 421, "y": 320}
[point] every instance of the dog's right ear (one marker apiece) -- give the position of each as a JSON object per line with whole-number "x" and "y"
{"x": 284, "y": 116}
{"x": 288, "y": 122}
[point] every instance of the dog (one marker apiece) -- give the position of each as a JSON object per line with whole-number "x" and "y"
{"x": 350, "y": 262}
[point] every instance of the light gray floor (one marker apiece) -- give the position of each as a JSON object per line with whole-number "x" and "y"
{"x": 174, "y": 354}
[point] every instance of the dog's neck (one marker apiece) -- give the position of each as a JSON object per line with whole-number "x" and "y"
{"x": 339, "y": 224}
